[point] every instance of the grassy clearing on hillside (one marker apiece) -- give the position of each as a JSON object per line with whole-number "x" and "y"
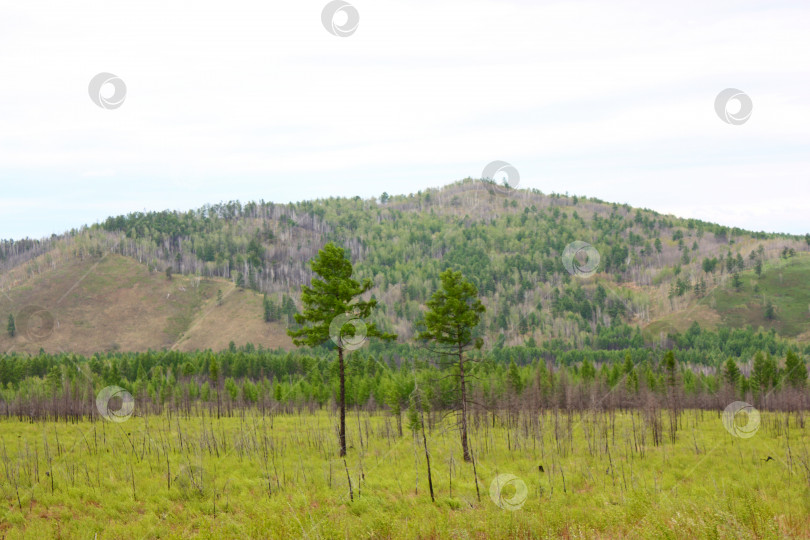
{"x": 784, "y": 283}
{"x": 279, "y": 477}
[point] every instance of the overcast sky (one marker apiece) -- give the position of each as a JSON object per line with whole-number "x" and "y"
{"x": 257, "y": 100}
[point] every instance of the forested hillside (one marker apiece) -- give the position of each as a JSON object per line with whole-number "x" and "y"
{"x": 655, "y": 273}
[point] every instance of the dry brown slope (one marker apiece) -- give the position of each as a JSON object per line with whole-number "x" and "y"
{"x": 114, "y": 303}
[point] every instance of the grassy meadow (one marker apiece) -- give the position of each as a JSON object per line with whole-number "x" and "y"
{"x": 279, "y": 476}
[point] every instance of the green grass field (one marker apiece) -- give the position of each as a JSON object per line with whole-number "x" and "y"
{"x": 279, "y": 477}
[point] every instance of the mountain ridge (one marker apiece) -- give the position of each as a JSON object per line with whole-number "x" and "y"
{"x": 653, "y": 270}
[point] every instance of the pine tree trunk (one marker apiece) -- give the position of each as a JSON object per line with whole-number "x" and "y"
{"x": 463, "y": 406}
{"x": 342, "y": 403}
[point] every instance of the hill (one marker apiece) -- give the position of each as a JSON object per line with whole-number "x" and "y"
{"x": 106, "y": 286}
{"x": 113, "y": 303}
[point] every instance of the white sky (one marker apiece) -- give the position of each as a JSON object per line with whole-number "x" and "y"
{"x": 256, "y": 100}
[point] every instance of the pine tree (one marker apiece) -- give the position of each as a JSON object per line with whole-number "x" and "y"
{"x": 628, "y": 364}
{"x": 11, "y": 328}
{"x": 140, "y": 372}
{"x": 53, "y": 379}
{"x": 759, "y": 379}
{"x": 268, "y": 309}
{"x": 700, "y": 288}
{"x": 213, "y": 371}
{"x": 631, "y": 377}
{"x": 615, "y": 375}
{"x": 770, "y": 313}
{"x": 731, "y": 373}
{"x": 764, "y": 373}
{"x": 670, "y": 367}
{"x": 587, "y": 371}
{"x": 773, "y": 371}
{"x": 331, "y": 295}
{"x": 454, "y": 312}
{"x": 513, "y": 377}
{"x": 795, "y": 370}
{"x": 632, "y": 382}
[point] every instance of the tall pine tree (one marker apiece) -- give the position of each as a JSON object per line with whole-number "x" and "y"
{"x": 331, "y": 295}
{"x": 454, "y": 312}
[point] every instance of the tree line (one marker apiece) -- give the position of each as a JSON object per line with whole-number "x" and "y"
{"x": 446, "y": 361}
